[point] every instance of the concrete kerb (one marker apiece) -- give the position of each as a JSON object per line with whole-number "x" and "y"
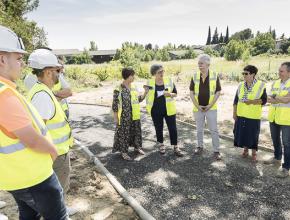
{"x": 225, "y": 137}
{"x": 142, "y": 213}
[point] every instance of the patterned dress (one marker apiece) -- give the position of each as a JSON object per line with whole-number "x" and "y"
{"x": 128, "y": 133}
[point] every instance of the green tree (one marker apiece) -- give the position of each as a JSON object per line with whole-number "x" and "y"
{"x": 234, "y": 50}
{"x": 242, "y": 35}
{"x": 215, "y": 37}
{"x": 93, "y": 46}
{"x": 12, "y": 15}
{"x": 221, "y": 39}
{"x": 262, "y": 43}
{"x": 227, "y": 37}
{"x": 208, "y": 36}
{"x": 285, "y": 45}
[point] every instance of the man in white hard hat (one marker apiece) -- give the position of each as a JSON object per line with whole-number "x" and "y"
{"x": 45, "y": 66}
{"x": 61, "y": 90}
{"x": 26, "y": 149}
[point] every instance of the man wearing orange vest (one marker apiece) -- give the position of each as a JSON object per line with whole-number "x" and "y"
{"x": 26, "y": 150}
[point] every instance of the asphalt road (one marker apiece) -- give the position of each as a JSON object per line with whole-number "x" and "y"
{"x": 192, "y": 187}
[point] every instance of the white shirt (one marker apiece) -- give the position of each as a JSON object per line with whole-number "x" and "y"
{"x": 44, "y": 105}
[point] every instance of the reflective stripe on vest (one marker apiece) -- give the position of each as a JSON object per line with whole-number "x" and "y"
{"x": 212, "y": 87}
{"x": 57, "y": 126}
{"x": 280, "y": 113}
{"x": 170, "y": 102}
{"x": 135, "y": 104}
{"x": 21, "y": 166}
{"x": 250, "y": 111}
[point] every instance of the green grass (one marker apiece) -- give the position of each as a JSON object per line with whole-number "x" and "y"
{"x": 82, "y": 77}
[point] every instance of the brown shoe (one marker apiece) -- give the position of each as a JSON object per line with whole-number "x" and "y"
{"x": 198, "y": 150}
{"x": 217, "y": 156}
{"x": 178, "y": 152}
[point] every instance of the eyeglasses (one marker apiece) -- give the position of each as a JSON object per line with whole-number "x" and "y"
{"x": 246, "y": 73}
{"x": 160, "y": 71}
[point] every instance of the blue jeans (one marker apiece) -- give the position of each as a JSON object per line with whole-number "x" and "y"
{"x": 276, "y": 138}
{"x": 44, "y": 199}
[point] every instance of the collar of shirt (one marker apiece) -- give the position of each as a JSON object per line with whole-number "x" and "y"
{"x": 10, "y": 83}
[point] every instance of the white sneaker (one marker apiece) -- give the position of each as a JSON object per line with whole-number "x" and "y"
{"x": 3, "y": 217}
{"x": 71, "y": 211}
{"x": 282, "y": 173}
{"x": 273, "y": 161}
{"x": 2, "y": 204}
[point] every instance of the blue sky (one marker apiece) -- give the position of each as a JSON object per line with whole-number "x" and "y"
{"x": 74, "y": 23}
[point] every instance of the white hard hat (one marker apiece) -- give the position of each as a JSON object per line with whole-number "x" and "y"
{"x": 41, "y": 58}
{"x": 10, "y": 42}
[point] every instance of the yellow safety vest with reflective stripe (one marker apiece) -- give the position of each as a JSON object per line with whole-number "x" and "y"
{"x": 20, "y": 166}
{"x": 58, "y": 125}
{"x": 250, "y": 111}
{"x": 134, "y": 103}
{"x": 170, "y": 102}
{"x": 280, "y": 113}
{"x": 212, "y": 87}
{"x": 63, "y": 102}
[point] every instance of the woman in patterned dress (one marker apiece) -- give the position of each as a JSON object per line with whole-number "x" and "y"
{"x": 128, "y": 126}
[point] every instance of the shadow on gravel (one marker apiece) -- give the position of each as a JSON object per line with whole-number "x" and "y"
{"x": 192, "y": 187}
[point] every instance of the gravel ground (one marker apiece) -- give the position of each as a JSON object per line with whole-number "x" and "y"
{"x": 192, "y": 187}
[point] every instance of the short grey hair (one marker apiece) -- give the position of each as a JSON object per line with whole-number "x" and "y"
{"x": 287, "y": 64}
{"x": 154, "y": 68}
{"x": 204, "y": 58}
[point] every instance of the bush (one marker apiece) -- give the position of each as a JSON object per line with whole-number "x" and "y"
{"x": 211, "y": 52}
{"x": 289, "y": 50}
{"x": 234, "y": 50}
{"x": 262, "y": 43}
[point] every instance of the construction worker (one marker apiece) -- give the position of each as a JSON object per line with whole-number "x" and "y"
{"x": 26, "y": 150}
{"x": 46, "y": 67}
{"x": 61, "y": 90}
{"x": 279, "y": 118}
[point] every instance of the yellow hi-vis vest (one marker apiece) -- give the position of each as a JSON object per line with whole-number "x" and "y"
{"x": 134, "y": 103}
{"x": 170, "y": 102}
{"x": 63, "y": 102}
{"x": 250, "y": 111}
{"x": 58, "y": 125}
{"x": 20, "y": 166}
{"x": 212, "y": 87}
{"x": 280, "y": 113}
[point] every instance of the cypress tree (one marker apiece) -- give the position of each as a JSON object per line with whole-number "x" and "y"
{"x": 226, "y": 39}
{"x": 208, "y": 36}
{"x": 215, "y": 37}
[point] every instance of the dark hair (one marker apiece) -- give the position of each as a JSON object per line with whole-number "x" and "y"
{"x": 252, "y": 69}
{"x": 154, "y": 68}
{"x": 287, "y": 64}
{"x": 38, "y": 72}
{"x": 127, "y": 71}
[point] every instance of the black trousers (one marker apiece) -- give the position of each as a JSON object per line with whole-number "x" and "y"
{"x": 158, "y": 120}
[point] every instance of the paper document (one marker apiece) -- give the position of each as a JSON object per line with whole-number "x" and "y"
{"x": 160, "y": 93}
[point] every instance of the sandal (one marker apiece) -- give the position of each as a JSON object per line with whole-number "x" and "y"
{"x": 254, "y": 156}
{"x": 140, "y": 151}
{"x": 161, "y": 148}
{"x": 245, "y": 153}
{"x": 125, "y": 156}
{"x": 177, "y": 151}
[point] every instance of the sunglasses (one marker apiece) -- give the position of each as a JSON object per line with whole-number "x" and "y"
{"x": 160, "y": 71}
{"x": 246, "y": 73}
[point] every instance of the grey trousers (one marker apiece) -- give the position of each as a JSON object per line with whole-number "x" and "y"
{"x": 211, "y": 119}
{"x": 62, "y": 167}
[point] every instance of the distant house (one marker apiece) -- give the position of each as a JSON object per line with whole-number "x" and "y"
{"x": 98, "y": 56}
{"x": 176, "y": 54}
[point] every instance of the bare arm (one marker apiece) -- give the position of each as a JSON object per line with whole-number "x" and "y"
{"x": 216, "y": 96}
{"x": 30, "y": 138}
{"x": 63, "y": 93}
